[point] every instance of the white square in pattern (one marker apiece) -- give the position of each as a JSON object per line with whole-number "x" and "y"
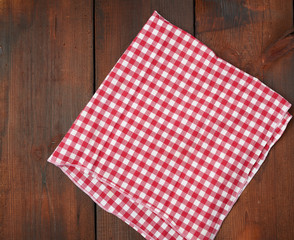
{"x": 179, "y": 192}
{"x": 198, "y": 57}
{"x": 177, "y": 32}
{"x": 203, "y": 48}
{"x": 184, "y": 61}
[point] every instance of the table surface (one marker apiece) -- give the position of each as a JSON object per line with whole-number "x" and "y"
{"x": 53, "y": 56}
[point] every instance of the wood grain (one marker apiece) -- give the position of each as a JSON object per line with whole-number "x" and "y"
{"x": 117, "y": 24}
{"x": 46, "y": 74}
{"x": 240, "y": 32}
{"x": 278, "y": 180}
{"x": 55, "y": 54}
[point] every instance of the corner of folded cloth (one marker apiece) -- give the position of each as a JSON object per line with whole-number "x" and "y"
{"x": 172, "y": 136}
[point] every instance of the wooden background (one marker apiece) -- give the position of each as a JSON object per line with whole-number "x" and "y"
{"x": 53, "y": 56}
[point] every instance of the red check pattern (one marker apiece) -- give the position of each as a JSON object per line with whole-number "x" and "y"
{"x": 172, "y": 136}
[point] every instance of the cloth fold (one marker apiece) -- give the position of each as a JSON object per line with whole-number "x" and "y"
{"x": 172, "y": 136}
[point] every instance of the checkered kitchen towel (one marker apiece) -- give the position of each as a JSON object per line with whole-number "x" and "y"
{"x": 172, "y": 136}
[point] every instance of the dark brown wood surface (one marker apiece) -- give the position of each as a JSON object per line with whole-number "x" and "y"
{"x": 53, "y": 56}
{"x": 46, "y": 75}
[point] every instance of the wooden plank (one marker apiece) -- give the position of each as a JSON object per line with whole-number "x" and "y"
{"x": 239, "y": 32}
{"x": 46, "y": 77}
{"x": 280, "y": 191}
{"x": 116, "y": 25}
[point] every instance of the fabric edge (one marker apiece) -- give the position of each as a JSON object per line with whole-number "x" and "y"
{"x": 283, "y": 128}
{"x": 61, "y": 167}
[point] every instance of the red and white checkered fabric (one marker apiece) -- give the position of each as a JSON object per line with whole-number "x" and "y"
{"x": 172, "y": 136}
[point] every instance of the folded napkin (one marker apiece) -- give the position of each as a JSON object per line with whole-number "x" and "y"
{"x": 172, "y": 136}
